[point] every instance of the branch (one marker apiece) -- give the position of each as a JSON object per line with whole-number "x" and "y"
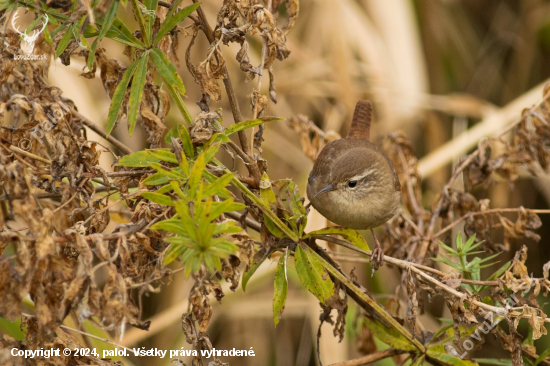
{"x": 92, "y": 126}
{"x": 237, "y": 116}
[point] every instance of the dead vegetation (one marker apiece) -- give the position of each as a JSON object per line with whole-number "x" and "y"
{"x": 84, "y": 244}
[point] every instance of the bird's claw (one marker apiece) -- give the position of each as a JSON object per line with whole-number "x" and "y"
{"x": 377, "y": 259}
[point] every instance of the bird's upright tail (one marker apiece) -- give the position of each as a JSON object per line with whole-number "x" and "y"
{"x": 362, "y": 117}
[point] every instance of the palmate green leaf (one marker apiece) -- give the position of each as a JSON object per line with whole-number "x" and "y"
{"x": 64, "y": 41}
{"x": 440, "y": 354}
{"x": 248, "y": 124}
{"x": 353, "y": 236}
{"x": 280, "y": 290}
{"x": 312, "y": 274}
{"x": 248, "y": 274}
{"x": 167, "y": 70}
{"x": 136, "y": 93}
{"x": 389, "y": 335}
{"x": 173, "y": 19}
{"x": 118, "y": 96}
{"x": 158, "y": 198}
{"x": 138, "y": 159}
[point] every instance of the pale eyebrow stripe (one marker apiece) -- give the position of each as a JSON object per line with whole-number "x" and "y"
{"x": 359, "y": 177}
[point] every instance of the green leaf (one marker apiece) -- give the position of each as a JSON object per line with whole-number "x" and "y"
{"x": 440, "y": 354}
{"x": 186, "y": 141}
{"x": 218, "y": 185}
{"x": 542, "y": 356}
{"x": 389, "y": 335}
{"x": 280, "y": 291}
{"x": 170, "y": 225}
{"x": 261, "y": 205}
{"x": 186, "y": 220}
{"x": 248, "y": 124}
{"x": 447, "y": 248}
{"x": 268, "y": 198}
{"x": 227, "y": 227}
{"x": 210, "y": 152}
{"x": 172, "y": 20}
{"x": 312, "y": 274}
{"x": 382, "y": 313}
{"x": 136, "y": 93}
{"x": 176, "y": 96}
{"x": 155, "y": 180}
{"x": 158, "y": 198}
{"x": 174, "y": 252}
{"x": 141, "y": 21}
{"x": 125, "y": 36}
{"x": 195, "y": 175}
{"x": 168, "y": 173}
{"x": 64, "y": 41}
{"x": 224, "y": 206}
{"x": 494, "y": 361}
{"x": 12, "y": 329}
{"x": 164, "y": 155}
{"x": 118, "y": 96}
{"x": 418, "y": 361}
{"x": 105, "y": 26}
{"x": 248, "y": 274}
{"x": 150, "y": 5}
{"x": 167, "y": 70}
{"x": 138, "y": 159}
{"x": 353, "y": 236}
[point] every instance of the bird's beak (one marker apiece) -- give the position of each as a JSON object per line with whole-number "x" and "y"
{"x": 329, "y": 187}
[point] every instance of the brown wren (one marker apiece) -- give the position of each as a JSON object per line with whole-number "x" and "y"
{"x": 354, "y": 183}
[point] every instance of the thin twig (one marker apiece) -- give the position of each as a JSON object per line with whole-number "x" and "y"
{"x": 491, "y": 211}
{"x": 417, "y": 269}
{"x": 92, "y": 126}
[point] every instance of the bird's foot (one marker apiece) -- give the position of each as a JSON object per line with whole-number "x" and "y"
{"x": 377, "y": 257}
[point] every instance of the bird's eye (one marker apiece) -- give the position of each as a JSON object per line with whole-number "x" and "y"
{"x": 352, "y": 183}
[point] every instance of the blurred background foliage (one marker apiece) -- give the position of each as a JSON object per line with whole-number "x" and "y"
{"x": 446, "y": 72}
